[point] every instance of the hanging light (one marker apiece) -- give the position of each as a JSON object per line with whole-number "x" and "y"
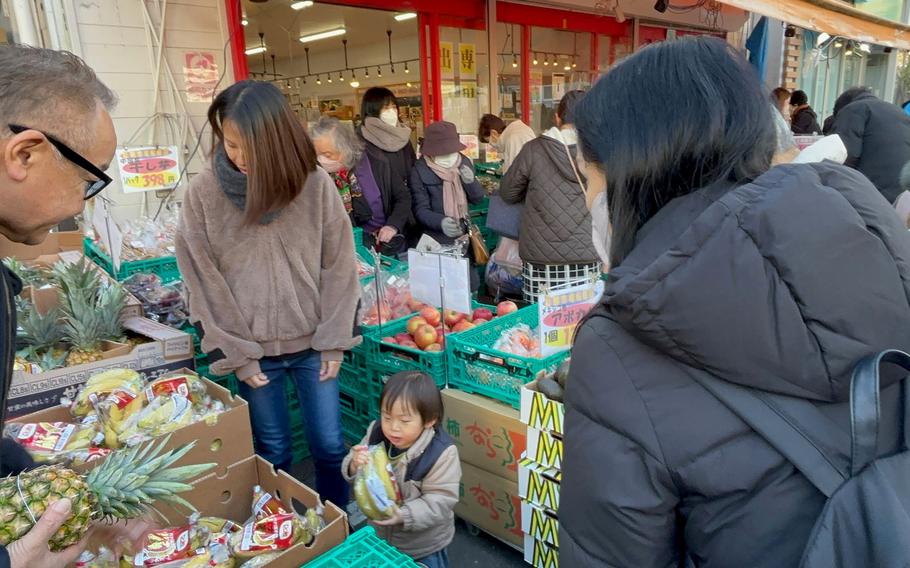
{"x": 514, "y": 60}
{"x": 366, "y": 72}
{"x": 379, "y": 72}
{"x": 301, "y": 4}
{"x": 406, "y": 70}
{"x": 838, "y": 44}
{"x": 822, "y": 38}
{"x": 304, "y": 80}
{"x": 318, "y": 79}
{"x": 409, "y": 84}
{"x": 535, "y": 59}
{"x": 355, "y": 84}
{"x": 329, "y": 75}
{"x": 340, "y": 76}
{"x": 322, "y": 35}
{"x": 244, "y": 21}
{"x": 406, "y": 16}
{"x": 392, "y": 65}
{"x": 865, "y": 48}
{"x": 574, "y": 63}
{"x": 256, "y": 50}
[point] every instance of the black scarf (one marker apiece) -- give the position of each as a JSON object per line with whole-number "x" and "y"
{"x": 233, "y": 184}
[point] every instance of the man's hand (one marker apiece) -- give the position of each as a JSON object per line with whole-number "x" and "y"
{"x": 31, "y": 551}
{"x": 329, "y": 370}
{"x": 256, "y": 381}
{"x": 386, "y": 234}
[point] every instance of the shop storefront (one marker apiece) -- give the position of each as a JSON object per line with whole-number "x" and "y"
{"x": 441, "y": 59}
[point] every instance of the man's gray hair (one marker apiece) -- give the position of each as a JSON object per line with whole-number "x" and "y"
{"x": 52, "y": 91}
{"x": 343, "y": 136}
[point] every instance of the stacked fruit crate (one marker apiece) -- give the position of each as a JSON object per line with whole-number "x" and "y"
{"x": 540, "y": 476}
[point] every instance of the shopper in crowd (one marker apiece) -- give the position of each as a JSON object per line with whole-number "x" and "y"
{"x": 877, "y": 136}
{"x": 54, "y": 150}
{"x": 372, "y": 201}
{"x": 425, "y": 461}
{"x": 443, "y": 183}
{"x": 722, "y": 266}
{"x": 388, "y": 141}
{"x": 780, "y": 97}
{"x": 555, "y": 239}
{"x": 266, "y": 252}
{"x": 803, "y": 119}
{"x": 507, "y": 140}
{"x": 786, "y": 150}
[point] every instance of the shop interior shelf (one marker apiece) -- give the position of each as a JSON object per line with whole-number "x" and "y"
{"x": 363, "y": 549}
{"x": 476, "y": 367}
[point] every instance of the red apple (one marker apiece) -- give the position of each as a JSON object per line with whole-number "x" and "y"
{"x": 414, "y": 323}
{"x": 482, "y": 314}
{"x": 441, "y": 340}
{"x": 409, "y": 345}
{"x": 424, "y": 336}
{"x": 463, "y": 325}
{"x": 389, "y": 340}
{"x": 433, "y": 347}
{"x": 506, "y": 307}
{"x": 403, "y": 337}
{"x": 431, "y": 315}
{"x": 452, "y": 317}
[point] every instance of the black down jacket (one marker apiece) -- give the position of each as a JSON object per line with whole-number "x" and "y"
{"x": 781, "y": 285}
{"x": 877, "y": 137}
{"x": 555, "y": 221}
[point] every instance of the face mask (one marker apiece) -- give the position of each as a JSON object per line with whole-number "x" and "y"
{"x": 447, "y": 160}
{"x": 389, "y": 116}
{"x": 496, "y": 144}
{"x": 329, "y": 165}
{"x": 600, "y": 227}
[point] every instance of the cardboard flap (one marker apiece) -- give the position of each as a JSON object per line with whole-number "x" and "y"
{"x": 55, "y": 243}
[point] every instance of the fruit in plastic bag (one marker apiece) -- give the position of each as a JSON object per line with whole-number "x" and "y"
{"x": 165, "y": 546}
{"x": 47, "y": 441}
{"x": 260, "y": 561}
{"x": 99, "y": 386}
{"x": 165, "y": 414}
{"x": 375, "y": 487}
{"x": 264, "y": 505}
{"x": 182, "y": 383}
{"x": 270, "y": 534}
{"x": 520, "y": 340}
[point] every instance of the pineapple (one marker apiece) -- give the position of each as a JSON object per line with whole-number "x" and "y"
{"x": 51, "y": 359}
{"x": 76, "y": 280}
{"x": 123, "y": 487}
{"x": 30, "y": 276}
{"x": 40, "y": 332}
{"x": 84, "y": 333}
{"x": 110, "y": 303}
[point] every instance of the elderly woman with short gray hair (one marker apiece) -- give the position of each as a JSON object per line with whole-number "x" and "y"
{"x": 374, "y": 203}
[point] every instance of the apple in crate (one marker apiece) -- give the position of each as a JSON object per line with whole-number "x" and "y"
{"x": 432, "y": 316}
{"x": 414, "y": 323}
{"x": 389, "y": 340}
{"x": 435, "y": 347}
{"x": 452, "y": 318}
{"x": 505, "y": 308}
{"x": 425, "y": 336}
{"x": 402, "y": 338}
{"x": 482, "y": 314}
{"x": 463, "y": 325}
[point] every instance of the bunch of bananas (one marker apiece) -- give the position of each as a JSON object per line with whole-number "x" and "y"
{"x": 375, "y": 488}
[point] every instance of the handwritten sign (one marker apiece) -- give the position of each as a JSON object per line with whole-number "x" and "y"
{"x": 560, "y": 313}
{"x": 200, "y": 71}
{"x": 148, "y": 168}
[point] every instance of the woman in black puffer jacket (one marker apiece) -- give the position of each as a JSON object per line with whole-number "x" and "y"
{"x": 779, "y": 279}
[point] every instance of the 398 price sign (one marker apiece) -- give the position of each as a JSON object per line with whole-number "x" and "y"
{"x": 148, "y": 168}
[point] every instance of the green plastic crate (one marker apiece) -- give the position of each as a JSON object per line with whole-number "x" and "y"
{"x": 477, "y": 368}
{"x": 358, "y": 236}
{"x": 165, "y": 267}
{"x": 386, "y": 263}
{"x": 363, "y": 549}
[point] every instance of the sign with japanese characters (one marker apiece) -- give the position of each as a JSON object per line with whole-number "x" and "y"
{"x": 560, "y": 313}
{"x": 148, "y": 168}
{"x": 446, "y": 58}
{"x": 467, "y": 57}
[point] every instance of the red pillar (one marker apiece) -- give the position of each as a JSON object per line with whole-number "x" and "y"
{"x": 238, "y": 42}
{"x": 437, "y": 67}
{"x": 595, "y": 56}
{"x": 526, "y": 74}
{"x": 424, "y": 70}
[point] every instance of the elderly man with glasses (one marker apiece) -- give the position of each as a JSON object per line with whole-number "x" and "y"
{"x": 56, "y": 140}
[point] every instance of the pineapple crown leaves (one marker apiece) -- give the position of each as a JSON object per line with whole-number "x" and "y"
{"x": 77, "y": 280}
{"x": 41, "y": 331}
{"x": 127, "y": 483}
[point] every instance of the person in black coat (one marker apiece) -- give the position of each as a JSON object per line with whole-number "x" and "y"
{"x": 657, "y": 472}
{"x": 803, "y": 120}
{"x": 877, "y": 137}
{"x": 443, "y": 184}
{"x": 388, "y": 141}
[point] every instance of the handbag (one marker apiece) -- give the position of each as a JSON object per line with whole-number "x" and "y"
{"x": 504, "y": 218}
{"x": 478, "y": 245}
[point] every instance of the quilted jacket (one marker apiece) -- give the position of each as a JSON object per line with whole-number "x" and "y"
{"x": 555, "y": 222}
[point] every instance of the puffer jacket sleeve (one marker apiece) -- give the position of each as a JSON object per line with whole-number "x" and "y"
{"x": 423, "y": 209}
{"x": 513, "y": 187}
{"x": 850, "y": 125}
{"x": 618, "y": 500}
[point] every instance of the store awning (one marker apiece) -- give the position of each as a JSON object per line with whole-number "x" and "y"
{"x": 831, "y": 16}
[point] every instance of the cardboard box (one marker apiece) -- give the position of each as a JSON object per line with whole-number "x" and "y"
{"x": 545, "y": 448}
{"x": 229, "y": 495}
{"x": 171, "y": 350}
{"x": 540, "y": 554}
{"x": 539, "y": 412}
{"x": 490, "y": 503}
{"x": 538, "y": 484}
{"x": 489, "y": 434}
{"x": 540, "y": 523}
{"x": 55, "y": 243}
{"x": 224, "y": 441}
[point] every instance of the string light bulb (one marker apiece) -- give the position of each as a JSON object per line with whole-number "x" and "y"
{"x": 379, "y": 72}
{"x": 535, "y": 59}
{"x": 318, "y": 80}
{"x": 514, "y": 61}
{"x": 406, "y": 70}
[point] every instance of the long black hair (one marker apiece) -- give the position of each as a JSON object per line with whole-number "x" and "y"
{"x": 675, "y": 117}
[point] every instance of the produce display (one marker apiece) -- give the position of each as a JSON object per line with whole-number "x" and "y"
{"x": 73, "y": 334}
{"x": 553, "y": 386}
{"x": 396, "y": 301}
{"x": 428, "y": 329}
{"x": 123, "y": 487}
{"x": 145, "y": 238}
{"x": 162, "y": 303}
{"x": 364, "y": 268}
{"x": 375, "y": 487}
{"x": 520, "y": 340}
{"x": 206, "y": 542}
{"x": 117, "y": 408}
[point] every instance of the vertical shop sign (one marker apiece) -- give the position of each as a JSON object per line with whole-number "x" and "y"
{"x": 200, "y": 73}
{"x": 446, "y": 61}
{"x": 467, "y": 60}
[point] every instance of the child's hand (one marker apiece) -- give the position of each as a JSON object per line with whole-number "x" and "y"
{"x": 361, "y": 457}
{"x": 395, "y": 519}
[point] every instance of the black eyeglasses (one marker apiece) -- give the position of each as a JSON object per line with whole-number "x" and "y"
{"x": 92, "y": 188}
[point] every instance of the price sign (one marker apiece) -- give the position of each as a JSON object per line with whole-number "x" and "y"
{"x": 148, "y": 168}
{"x": 560, "y": 313}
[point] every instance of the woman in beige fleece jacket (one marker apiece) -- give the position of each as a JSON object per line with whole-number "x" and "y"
{"x": 266, "y": 252}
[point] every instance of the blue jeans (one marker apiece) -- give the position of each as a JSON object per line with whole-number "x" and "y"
{"x": 436, "y": 560}
{"x": 321, "y": 417}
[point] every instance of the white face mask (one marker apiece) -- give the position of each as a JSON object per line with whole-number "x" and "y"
{"x": 389, "y": 116}
{"x": 446, "y": 160}
{"x": 600, "y": 227}
{"x": 329, "y": 165}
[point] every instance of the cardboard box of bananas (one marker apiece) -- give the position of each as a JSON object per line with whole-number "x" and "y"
{"x": 115, "y": 409}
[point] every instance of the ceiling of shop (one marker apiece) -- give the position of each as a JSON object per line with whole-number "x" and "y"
{"x": 282, "y": 26}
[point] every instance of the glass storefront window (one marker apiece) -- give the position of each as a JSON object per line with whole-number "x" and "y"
{"x": 563, "y": 64}
{"x": 509, "y": 54}
{"x": 464, "y": 63}
{"x": 827, "y": 74}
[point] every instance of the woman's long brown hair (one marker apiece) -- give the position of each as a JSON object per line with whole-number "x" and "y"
{"x": 275, "y": 144}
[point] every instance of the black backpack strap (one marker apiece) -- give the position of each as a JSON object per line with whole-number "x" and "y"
{"x": 773, "y": 417}
{"x": 865, "y": 408}
{"x": 419, "y": 468}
